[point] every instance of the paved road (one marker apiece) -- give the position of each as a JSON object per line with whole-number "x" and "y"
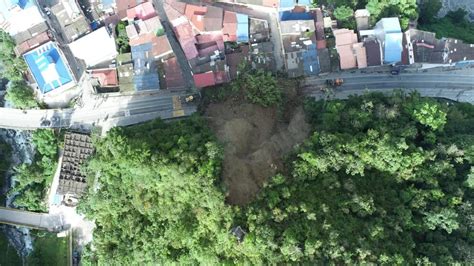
{"x": 42, "y": 221}
{"x": 104, "y": 112}
{"x": 183, "y": 62}
{"x": 457, "y": 85}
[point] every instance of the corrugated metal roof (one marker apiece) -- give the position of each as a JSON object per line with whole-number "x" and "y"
{"x": 287, "y": 3}
{"x": 145, "y": 69}
{"x": 242, "y": 28}
{"x": 310, "y": 60}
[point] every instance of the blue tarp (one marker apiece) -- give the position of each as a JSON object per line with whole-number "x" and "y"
{"x": 242, "y": 28}
{"x": 310, "y": 60}
{"x": 40, "y": 60}
{"x": 393, "y": 48}
{"x": 146, "y": 72}
{"x": 287, "y": 3}
{"x": 304, "y": 2}
{"x": 288, "y": 15}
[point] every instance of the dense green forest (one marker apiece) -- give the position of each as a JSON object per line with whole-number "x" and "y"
{"x": 34, "y": 179}
{"x": 453, "y": 25}
{"x": 381, "y": 180}
{"x": 406, "y": 10}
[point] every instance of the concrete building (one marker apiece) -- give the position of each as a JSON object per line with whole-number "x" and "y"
{"x": 362, "y": 17}
{"x": 72, "y": 21}
{"x": 389, "y": 35}
{"x": 49, "y": 68}
{"x": 19, "y": 15}
{"x": 95, "y": 48}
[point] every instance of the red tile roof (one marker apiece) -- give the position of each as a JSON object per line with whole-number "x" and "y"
{"x": 142, "y": 11}
{"x": 184, "y": 34}
{"x": 213, "y": 19}
{"x": 123, "y": 6}
{"x": 106, "y": 77}
{"x": 208, "y": 43}
{"x": 271, "y": 3}
{"x": 204, "y": 79}
{"x": 178, "y": 6}
{"x": 173, "y": 74}
{"x": 195, "y": 14}
{"x": 230, "y": 26}
{"x": 32, "y": 43}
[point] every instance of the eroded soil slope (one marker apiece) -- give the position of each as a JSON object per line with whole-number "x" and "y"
{"x": 255, "y": 143}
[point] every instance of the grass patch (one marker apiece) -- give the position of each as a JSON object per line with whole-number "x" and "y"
{"x": 49, "y": 250}
{"x": 8, "y": 254}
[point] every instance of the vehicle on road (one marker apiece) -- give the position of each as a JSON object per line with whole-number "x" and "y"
{"x": 334, "y": 82}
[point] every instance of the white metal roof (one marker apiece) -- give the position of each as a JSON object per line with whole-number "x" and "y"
{"x": 95, "y": 48}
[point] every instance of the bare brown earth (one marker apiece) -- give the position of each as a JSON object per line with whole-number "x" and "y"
{"x": 255, "y": 142}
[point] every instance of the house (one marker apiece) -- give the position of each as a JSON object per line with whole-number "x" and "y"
{"x": 389, "y": 35}
{"x": 173, "y": 74}
{"x": 142, "y": 11}
{"x": 19, "y": 15}
{"x": 94, "y": 48}
{"x": 145, "y": 68}
{"x": 105, "y": 79}
{"x": 242, "y": 28}
{"x": 235, "y": 59}
{"x": 259, "y": 30}
{"x": 32, "y": 43}
{"x": 73, "y": 24}
{"x": 149, "y": 31}
{"x": 373, "y": 52}
{"x": 124, "y": 5}
{"x": 229, "y": 29}
{"x": 49, "y": 68}
{"x": 362, "y": 17}
{"x": 31, "y": 32}
{"x": 299, "y": 45}
{"x": 262, "y": 56}
{"x": 345, "y": 39}
{"x": 213, "y": 18}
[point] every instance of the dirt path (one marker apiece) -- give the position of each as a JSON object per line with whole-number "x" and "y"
{"x": 254, "y": 144}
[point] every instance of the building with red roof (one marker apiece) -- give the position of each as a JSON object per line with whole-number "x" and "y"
{"x": 32, "y": 43}
{"x": 195, "y": 14}
{"x": 173, "y": 74}
{"x": 106, "y": 77}
{"x": 124, "y": 5}
{"x": 142, "y": 11}
{"x": 204, "y": 79}
{"x": 229, "y": 29}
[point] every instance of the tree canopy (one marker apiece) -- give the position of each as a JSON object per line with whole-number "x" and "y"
{"x": 34, "y": 179}
{"x": 374, "y": 184}
{"x": 157, "y": 200}
{"x": 381, "y": 180}
{"x": 21, "y": 95}
{"x": 12, "y": 67}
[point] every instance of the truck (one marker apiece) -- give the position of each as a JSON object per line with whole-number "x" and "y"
{"x": 334, "y": 82}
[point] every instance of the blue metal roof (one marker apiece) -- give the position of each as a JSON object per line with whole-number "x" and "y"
{"x": 48, "y": 67}
{"x": 242, "y": 28}
{"x": 288, "y": 15}
{"x": 145, "y": 69}
{"x": 287, "y": 3}
{"x": 304, "y": 2}
{"x": 393, "y": 48}
{"x": 310, "y": 60}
